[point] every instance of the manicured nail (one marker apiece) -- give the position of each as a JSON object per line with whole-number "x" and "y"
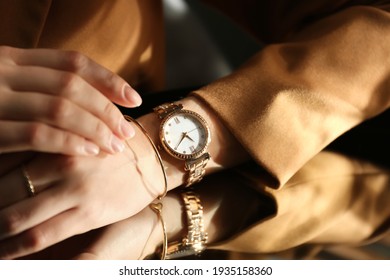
{"x": 91, "y": 149}
{"x": 117, "y": 145}
{"x": 127, "y": 129}
{"x": 132, "y": 96}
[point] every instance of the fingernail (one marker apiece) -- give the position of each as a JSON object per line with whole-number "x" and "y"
{"x": 127, "y": 129}
{"x": 91, "y": 149}
{"x": 132, "y": 96}
{"x": 117, "y": 145}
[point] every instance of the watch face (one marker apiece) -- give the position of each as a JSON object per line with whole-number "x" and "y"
{"x": 185, "y": 134}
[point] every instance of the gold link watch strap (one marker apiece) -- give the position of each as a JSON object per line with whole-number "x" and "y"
{"x": 196, "y": 169}
{"x": 195, "y": 241}
{"x": 165, "y": 109}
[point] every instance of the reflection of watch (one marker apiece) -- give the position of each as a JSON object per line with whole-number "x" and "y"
{"x": 195, "y": 241}
{"x": 185, "y": 135}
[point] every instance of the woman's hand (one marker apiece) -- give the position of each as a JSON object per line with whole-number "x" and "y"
{"x": 132, "y": 238}
{"x": 75, "y": 195}
{"x": 59, "y": 102}
{"x": 140, "y": 235}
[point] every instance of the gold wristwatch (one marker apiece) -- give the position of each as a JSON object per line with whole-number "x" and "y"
{"x": 195, "y": 241}
{"x": 185, "y": 135}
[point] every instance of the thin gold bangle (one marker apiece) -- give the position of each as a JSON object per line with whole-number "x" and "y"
{"x": 156, "y": 207}
{"x": 161, "y": 196}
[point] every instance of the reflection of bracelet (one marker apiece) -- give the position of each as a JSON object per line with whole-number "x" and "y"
{"x": 195, "y": 241}
{"x": 156, "y": 207}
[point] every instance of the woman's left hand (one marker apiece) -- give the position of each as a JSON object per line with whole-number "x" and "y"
{"x": 75, "y": 195}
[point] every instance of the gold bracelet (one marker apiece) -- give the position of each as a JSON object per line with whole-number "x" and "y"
{"x": 161, "y": 196}
{"x": 195, "y": 240}
{"x": 156, "y": 207}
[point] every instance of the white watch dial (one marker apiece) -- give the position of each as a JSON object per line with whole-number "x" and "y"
{"x": 185, "y": 134}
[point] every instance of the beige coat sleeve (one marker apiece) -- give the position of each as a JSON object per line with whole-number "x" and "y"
{"x": 325, "y": 70}
{"x": 294, "y": 98}
{"x": 332, "y": 200}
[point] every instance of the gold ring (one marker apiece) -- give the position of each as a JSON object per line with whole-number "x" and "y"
{"x": 29, "y": 184}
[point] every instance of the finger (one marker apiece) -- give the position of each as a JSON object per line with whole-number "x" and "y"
{"x": 29, "y": 213}
{"x": 121, "y": 240}
{"x": 22, "y": 136}
{"x": 67, "y": 249}
{"x": 14, "y": 187}
{"x": 74, "y": 88}
{"x": 63, "y": 114}
{"x": 56, "y": 168}
{"x": 41, "y": 236}
{"x": 110, "y": 84}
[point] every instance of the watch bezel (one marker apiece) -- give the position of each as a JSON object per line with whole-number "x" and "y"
{"x": 178, "y": 155}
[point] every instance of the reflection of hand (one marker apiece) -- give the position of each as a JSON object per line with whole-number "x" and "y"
{"x": 75, "y": 195}
{"x": 45, "y": 103}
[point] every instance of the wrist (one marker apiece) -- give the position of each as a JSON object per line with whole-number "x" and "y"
{"x": 224, "y": 149}
{"x": 173, "y": 167}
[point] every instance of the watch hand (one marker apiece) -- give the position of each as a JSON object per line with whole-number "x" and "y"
{"x": 189, "y": 137}
{"x": 192, "y": 130}
{"x": 181, "y": 139}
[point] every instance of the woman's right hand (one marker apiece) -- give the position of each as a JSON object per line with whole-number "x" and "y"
{"x": 60, "y": 102}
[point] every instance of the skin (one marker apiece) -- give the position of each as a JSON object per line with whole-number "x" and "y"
{"x": 139, "y": 236}
{"x": 73, "y": 188}
{"x": 58, "y": 107}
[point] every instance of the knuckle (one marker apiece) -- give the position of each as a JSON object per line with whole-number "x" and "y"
{"x": 111, "y": 112}
{"x": 35, "y": 239}
{"x": 101, "y": 130}
{"x": 75, "y": 61}
{"x": 92, "y": 214}
{"x": 70, "y": 140}
{"x": 67, "y": 82}
{"x": 11, "y": 222}
{"x": 59, "y": 110}
{"x": 110, "y": 79}
{"x": 69, "y": 164}
{"x": 35, "y": 134}
{"x": 109, "y": 109}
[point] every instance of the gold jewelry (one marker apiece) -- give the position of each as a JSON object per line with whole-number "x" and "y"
{"x": 185, "y": 135}
{"x": 29, "y": 184}
{"x": 195, "y": 241}
{"x": 164, "y": 193}
{"x": 156, "y": 207}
